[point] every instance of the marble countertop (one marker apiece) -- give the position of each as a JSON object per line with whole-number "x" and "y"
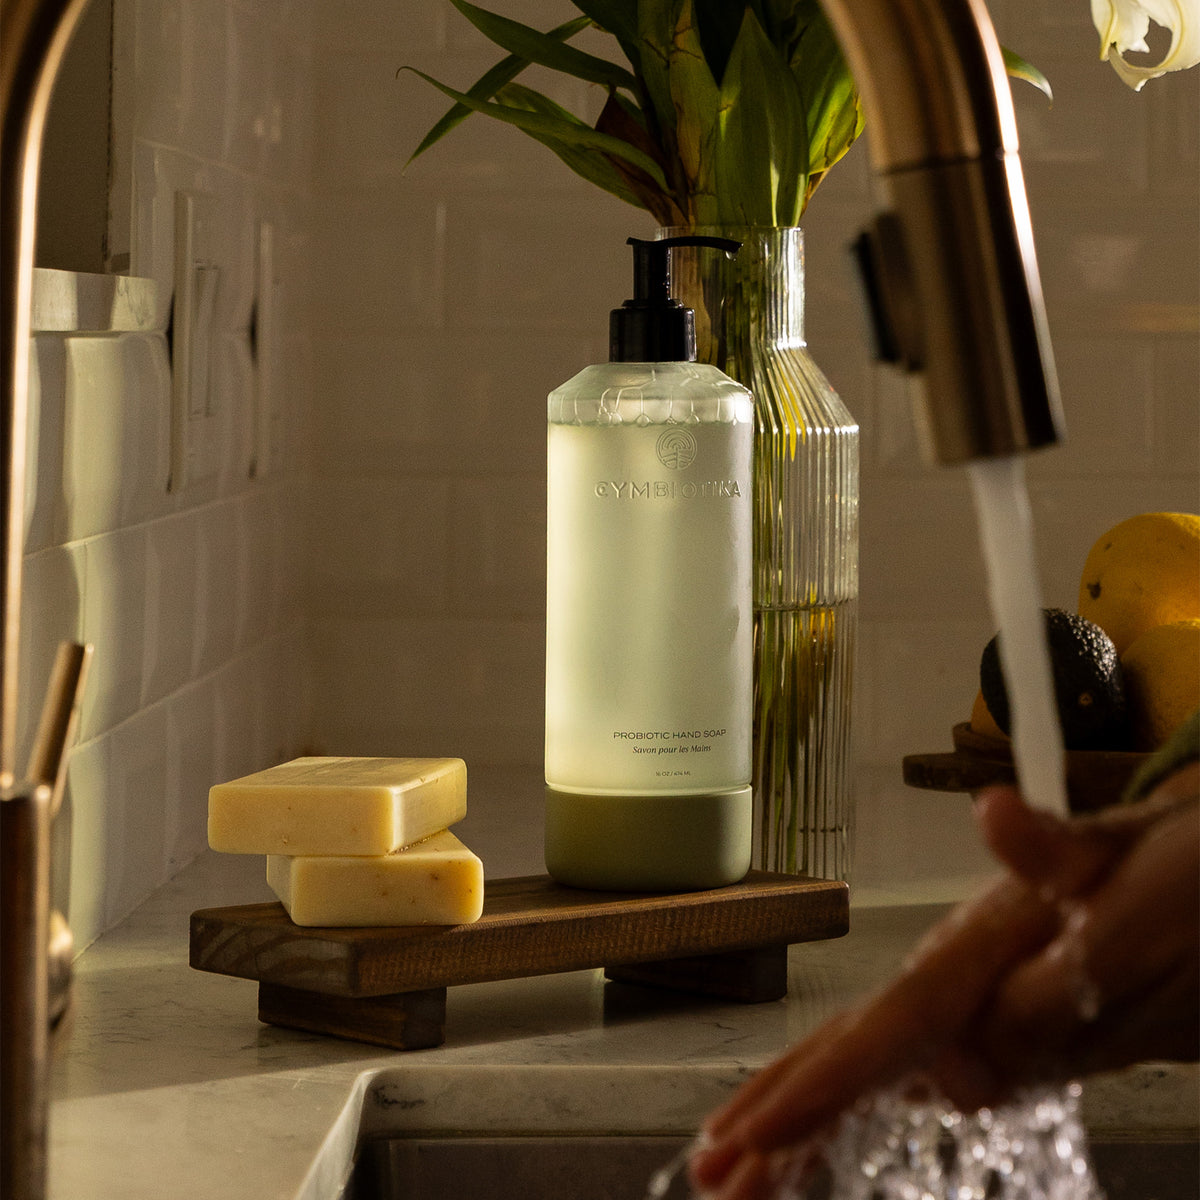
{"x": 166, "y": 1084}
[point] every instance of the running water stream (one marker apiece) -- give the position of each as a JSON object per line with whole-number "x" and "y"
{"x": 1006, "y": 538}
{"x": 1034, "y": 1148}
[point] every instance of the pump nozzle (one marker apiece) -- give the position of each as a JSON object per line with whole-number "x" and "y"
{"x": 653, "y": 326}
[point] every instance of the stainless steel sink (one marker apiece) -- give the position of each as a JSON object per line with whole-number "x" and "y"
{"x": 619, "y": 1168}
{"x": 513, "y": 1168}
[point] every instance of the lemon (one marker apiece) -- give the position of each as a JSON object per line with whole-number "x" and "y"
{"x": 1143, "y": 572}
{"x": 1162, "y": 680}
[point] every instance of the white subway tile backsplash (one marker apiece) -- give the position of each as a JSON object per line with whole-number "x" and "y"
{"x": 1114, "y": 258}
{"x": 1107, "y": 396}
{"x": 94, "y": 817}
{"x": 44, "y": 442}
{"x": 924, "y": 683}
{"x": 101, "y": 465}
{"x": 281, "y": 697}
{"x": 190, "y": 747}
{"x": 239, "y": 719}
{"x": 137, "y": 795}
{"x": 289, "y": 156}
{"x": 1089, "y": 138}
{"x": 432, "y": 686}
{"x": 498, "y": 557}
{"x": 255, "y": 571}
{"x": 233, "y": 404}
{"x": 515, "y": 266}
{"x": 293, "y": 19}
{"x": 410, "y": 406}
{"x": 114, "y": 605}
{"x": 217, "y": 592}
{"x": 1176, "y": 413}
{"x": 833, "y": 305}
{"x": 288, "y": 505}
{"x": 1174, "y": 139}
{"x": 918, "y": 547}
{"x": 892, "y": 443}
{"x": 413, "y": 28}
{"x": 147, "y": 368}
{"x": 253, "y": 117}
{"x": 159, "y": 70}
{"x": 378, "y": 265}
{"x": 365, "y": 124}
{"x": 207, "y": 77}
{"x": 53, "y": 586}
{"x": 379, "y": 546}
{"x": 913, "y": 845}
{"x": 192, "y": 599}
{"x": 170, "y": 617}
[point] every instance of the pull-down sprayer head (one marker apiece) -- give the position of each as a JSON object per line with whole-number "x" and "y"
{"x": 950, "y": 266}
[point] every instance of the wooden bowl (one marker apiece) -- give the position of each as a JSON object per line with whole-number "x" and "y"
{"x": 1095, "y": 778}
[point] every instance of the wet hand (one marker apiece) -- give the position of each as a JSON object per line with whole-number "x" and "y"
{"x": 997, "y": 991}
{"x": 1120, "y": 981}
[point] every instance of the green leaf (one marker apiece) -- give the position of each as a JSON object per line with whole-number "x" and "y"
{"x": 545, "y": 50}
{"x": 717, "y": 23}
{"x": 696, "y": 100}
{"x": 618, "y": 17}
{"x": 488, "y": 84}
{"x": 762, "y": 151}
{"x": 590, "y": 164}
{"x": 538, "y": 125}
{"x": 656, "y": 29}
{"x": 620, "y": 118}
{"x": 1018, "y": 68}
{"x": 833, "y": 114}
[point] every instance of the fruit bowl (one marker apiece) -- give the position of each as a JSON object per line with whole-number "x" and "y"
{"x": 1095, "y": 778}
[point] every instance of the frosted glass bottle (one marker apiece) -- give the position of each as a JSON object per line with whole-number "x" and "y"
{"x": 649, "y": 621}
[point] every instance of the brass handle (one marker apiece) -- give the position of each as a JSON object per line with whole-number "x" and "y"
{"x": 35, "y": 944}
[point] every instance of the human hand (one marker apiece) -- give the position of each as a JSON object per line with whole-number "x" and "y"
{"x": 1120, "y": 981}
{"x": 1003, "y": 991}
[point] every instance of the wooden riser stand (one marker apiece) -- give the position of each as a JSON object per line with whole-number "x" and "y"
{"x": 387, "y": 986}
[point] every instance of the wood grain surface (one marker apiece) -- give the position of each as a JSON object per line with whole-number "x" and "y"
{"x": 530, "y": 926}
{"x": 1095, "y": 778}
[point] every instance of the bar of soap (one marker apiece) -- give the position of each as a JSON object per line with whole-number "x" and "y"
{"x": 337, "y": 805}
{"x": 436, "y": 882}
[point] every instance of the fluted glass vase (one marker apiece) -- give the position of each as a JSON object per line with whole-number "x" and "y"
{"x": 750, "y": 323}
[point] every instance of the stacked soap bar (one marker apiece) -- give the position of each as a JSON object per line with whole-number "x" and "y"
{"x": 356, "y": 841}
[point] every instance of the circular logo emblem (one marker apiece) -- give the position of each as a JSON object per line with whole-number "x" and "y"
{"x": 676, "y": 449}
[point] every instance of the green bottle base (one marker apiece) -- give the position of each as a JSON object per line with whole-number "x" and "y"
{"x": 650, "y": 842}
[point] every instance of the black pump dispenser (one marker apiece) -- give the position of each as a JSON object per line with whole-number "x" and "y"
{"x": 653, "y": 326}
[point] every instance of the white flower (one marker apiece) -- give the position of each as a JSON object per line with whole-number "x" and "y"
{"x": 1122, "y": 25}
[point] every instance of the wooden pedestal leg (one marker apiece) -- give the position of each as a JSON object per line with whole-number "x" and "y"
{"x": 752, "y": 976}
{"x": 403, "y": 1021}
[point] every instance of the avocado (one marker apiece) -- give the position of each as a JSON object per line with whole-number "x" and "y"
{"x": 1089, "y": 687}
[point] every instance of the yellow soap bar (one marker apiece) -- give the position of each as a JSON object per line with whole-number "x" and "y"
{"x": 436, "y": 882}
{"x": 337, "y": 805}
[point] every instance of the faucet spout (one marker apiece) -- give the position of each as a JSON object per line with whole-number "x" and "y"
{"x": 950, "y": 268}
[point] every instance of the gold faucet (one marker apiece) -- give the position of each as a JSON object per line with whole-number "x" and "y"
{"x": 34, "y": 955}
{"x": 950, "y": 263}
{"x": 956, "y": 296}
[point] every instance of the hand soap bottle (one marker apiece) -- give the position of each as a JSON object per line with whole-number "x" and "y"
{"x": 649, "y": 608}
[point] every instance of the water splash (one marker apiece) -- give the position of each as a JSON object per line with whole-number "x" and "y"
{"x": 892, "y": 1147}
